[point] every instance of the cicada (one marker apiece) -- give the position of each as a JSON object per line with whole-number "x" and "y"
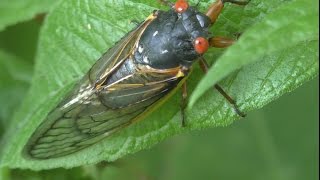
{"x": 130, "y": 78}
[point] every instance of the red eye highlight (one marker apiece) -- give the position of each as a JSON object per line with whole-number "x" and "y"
{"x": 201, "y": 45}
{"x": 181, "y": 6}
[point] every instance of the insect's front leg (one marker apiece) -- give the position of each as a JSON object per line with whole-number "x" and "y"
{"x": 216, "y": 8}
{"x": 183, "y": 105}
{"x": 204, "y": 66}
{"x": 220, "y": 42}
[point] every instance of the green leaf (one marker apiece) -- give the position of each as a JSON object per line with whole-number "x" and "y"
{"x": 14, "y": 11}
{"x": 290, "y": 24}
{"x": 69, "y": 46}
{"x": 15, "y": 78}
{"x": 260, "y": 139}
{"x": 18, "y": 46}
{"x": 21, "y": 40}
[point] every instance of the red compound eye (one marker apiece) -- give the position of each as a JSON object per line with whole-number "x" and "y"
{"x": 181, "y": 6}
{"x": 201, "y": 45}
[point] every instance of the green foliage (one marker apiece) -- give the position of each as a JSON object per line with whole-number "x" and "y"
{"x": 21, "y": 40}
{"x": 276, "y": 33}
{"x": 15, "y": 77}
{"x": 278, "y": 142}
{"x": 15, "y": 11}
{"x": 76, "y": 33}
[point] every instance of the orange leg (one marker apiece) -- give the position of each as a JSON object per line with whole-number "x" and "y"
{"x": 204, "y": 66}
{"x": 220, "y": 42}
{"x": 216, "y": 8}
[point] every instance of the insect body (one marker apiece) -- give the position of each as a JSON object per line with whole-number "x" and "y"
{"x": 130, "y": 78}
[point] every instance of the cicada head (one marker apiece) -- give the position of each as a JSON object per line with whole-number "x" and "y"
{"x": 175, "y": 38}
{"x": 196, "y": 25}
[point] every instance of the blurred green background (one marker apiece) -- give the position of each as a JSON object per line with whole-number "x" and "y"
{"x": 278, "y": 142}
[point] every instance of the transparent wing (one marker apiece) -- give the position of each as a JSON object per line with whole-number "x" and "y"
{"x": 84, "y": 125}
{"x": 65, "y": 132}
{"x": 88, "y": 115}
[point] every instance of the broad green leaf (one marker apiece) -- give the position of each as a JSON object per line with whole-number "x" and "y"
{"x": 214, "y": 153}
{"x": 15, "y": 78}
{"x": 69, "y": 46}
{"x": 289, "y": 25}
{"x": 15, "y": 11}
